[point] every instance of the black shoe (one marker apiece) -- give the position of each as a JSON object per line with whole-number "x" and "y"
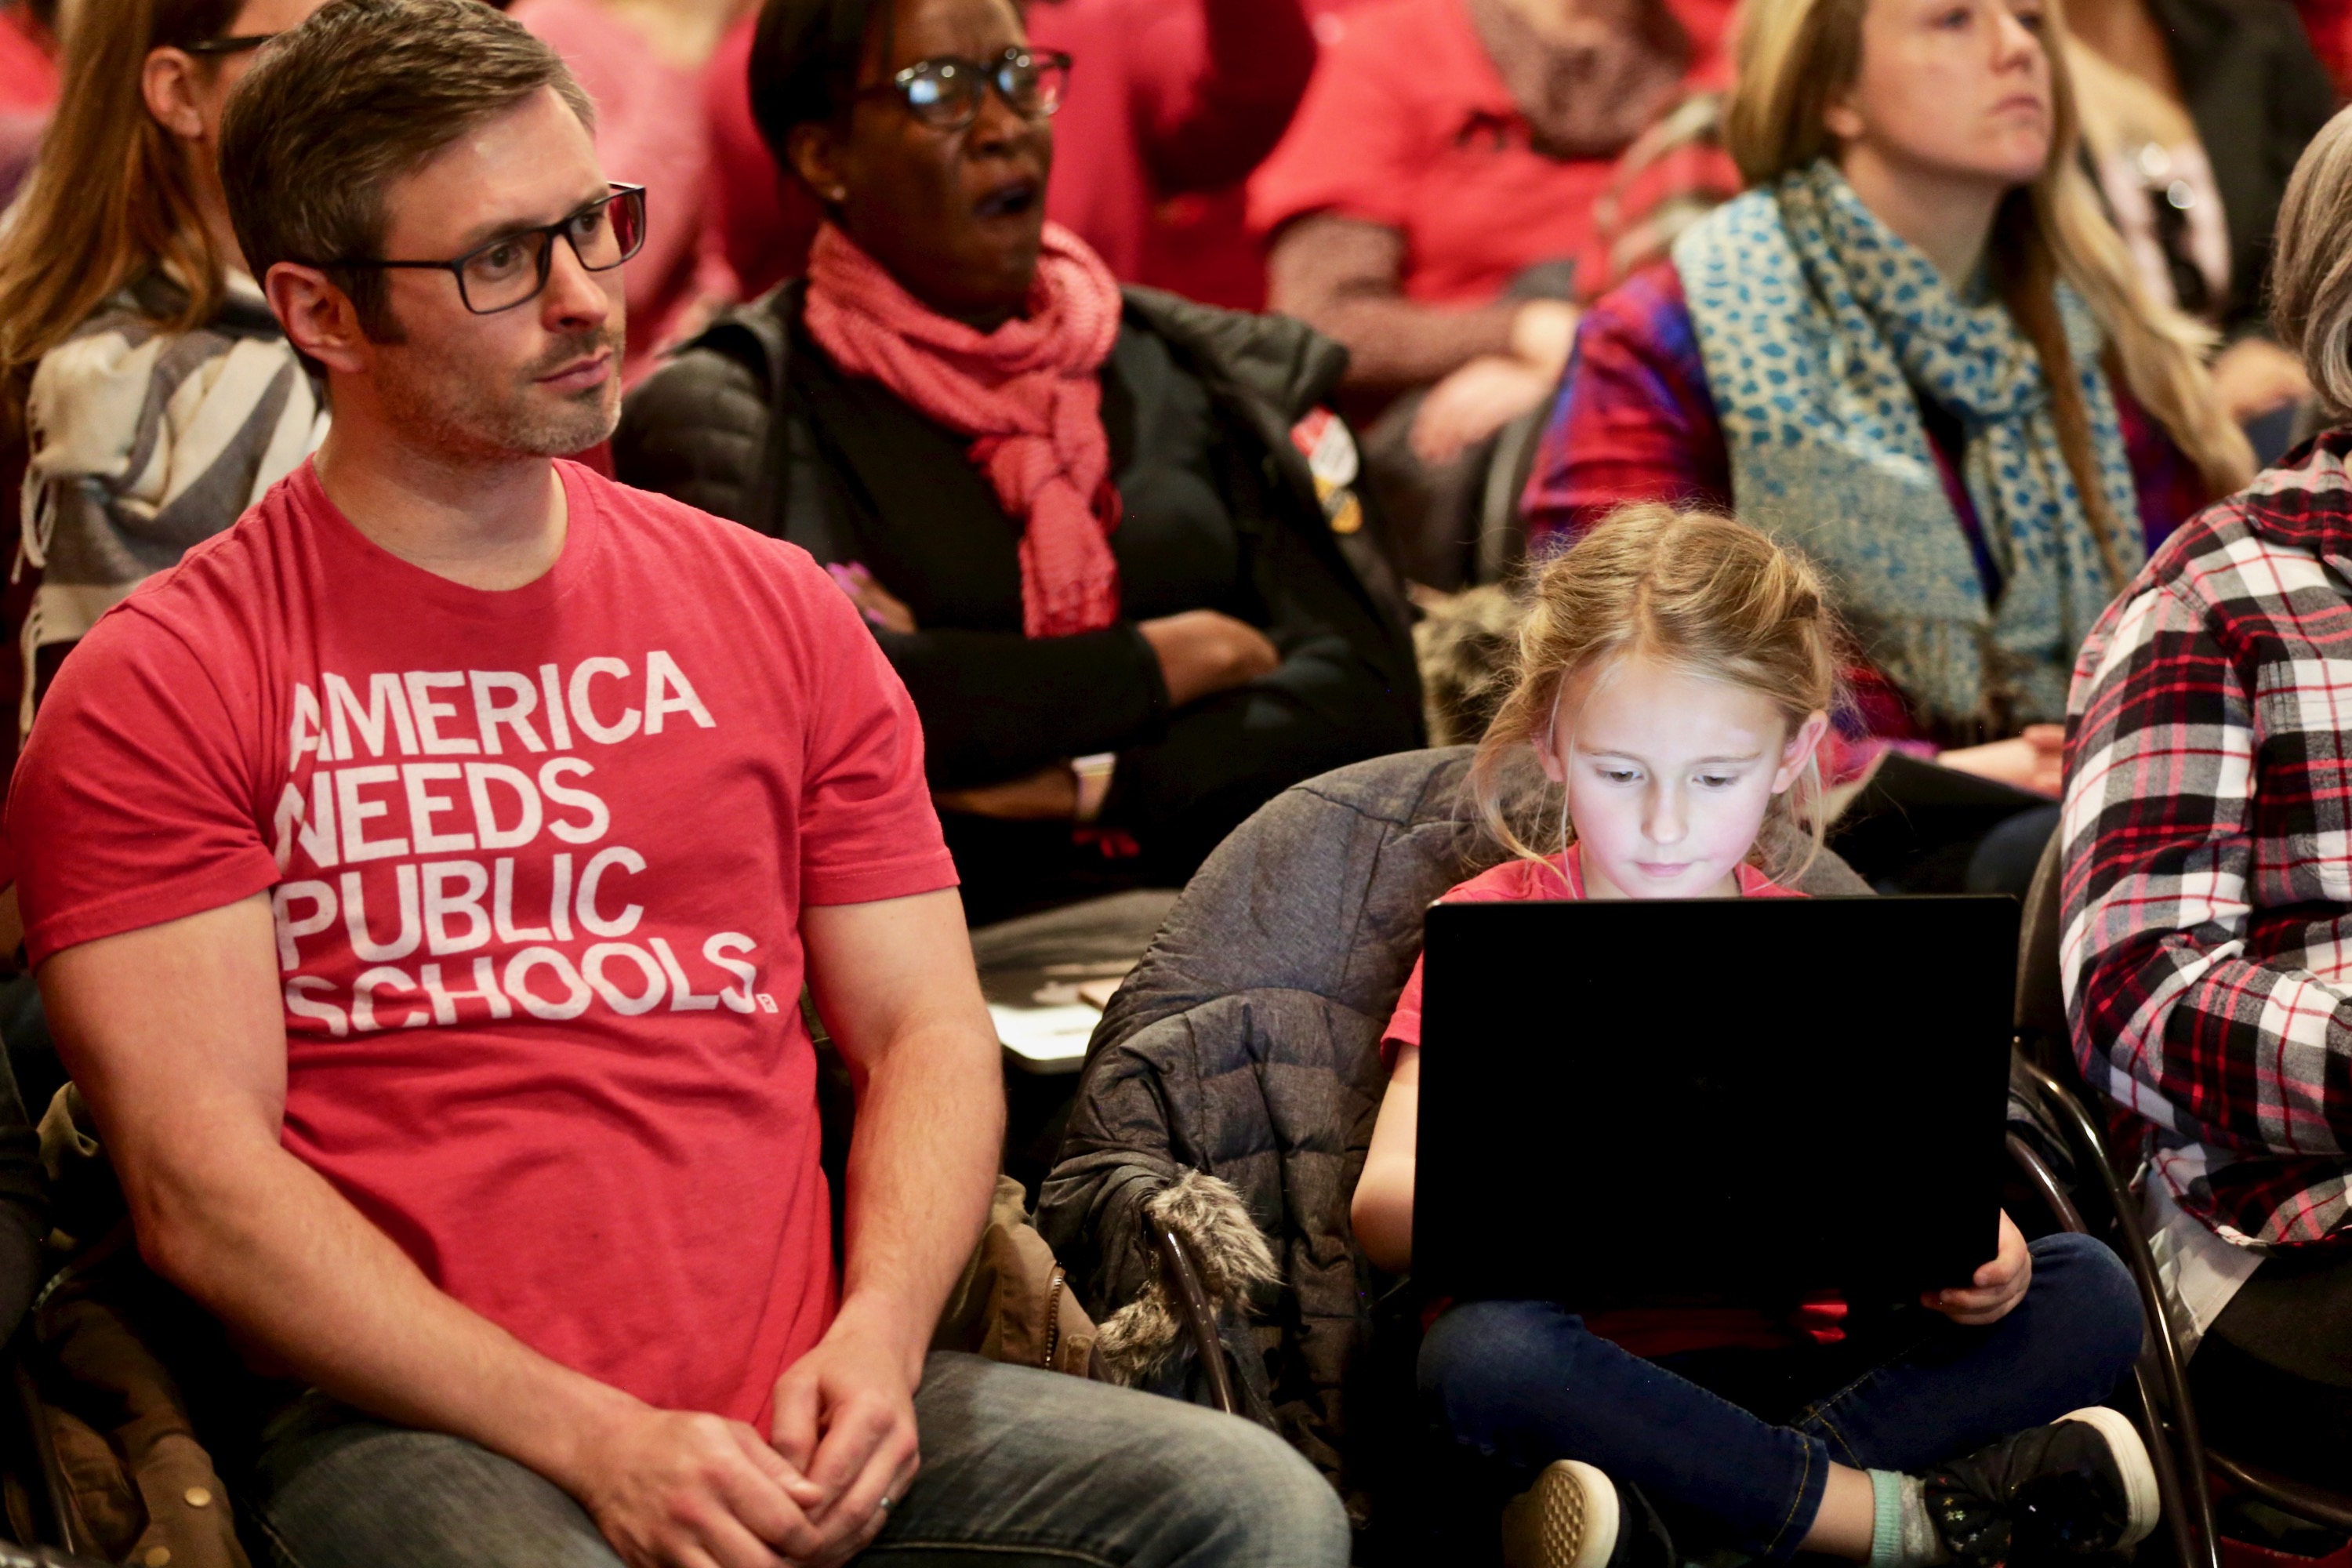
{"x": 1575, "y": 1517}
{"x": 2080, "y": 1487}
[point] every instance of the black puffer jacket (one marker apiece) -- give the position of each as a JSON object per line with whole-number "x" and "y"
{"x": 699, "y": 429}
{"x": 1223, "y": 513}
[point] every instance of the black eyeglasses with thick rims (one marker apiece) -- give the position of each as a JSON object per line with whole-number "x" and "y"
{"x": 509, "y": 270}
{"x": 944, "y": 92}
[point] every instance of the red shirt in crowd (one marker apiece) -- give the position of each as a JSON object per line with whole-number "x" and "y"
{"x": 1644, "y": 1330}
{"x": 2329, "y": 24}
{"x": 538, "y": 859}
{"x": 1408, "y": 124}
{"x": 642, "y": 138}
{"x": 1165, "y": 98}
{"x": 29, "y": 66}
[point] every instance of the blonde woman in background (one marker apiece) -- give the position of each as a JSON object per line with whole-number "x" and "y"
{"x": 1917, "y": 347}
{"x": 139, "y": 364}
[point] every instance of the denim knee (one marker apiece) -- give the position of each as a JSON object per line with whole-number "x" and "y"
{"x": 1483, "y": 1363}
{"x": 1272, "y": 1507}
{"x": 2085, "y": 1299}
{"x": 1217, "y": 1489}
{"x": 356, "y": 1493}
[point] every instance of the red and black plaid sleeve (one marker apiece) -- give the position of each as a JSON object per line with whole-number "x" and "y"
{"x": 2207, "y": 807}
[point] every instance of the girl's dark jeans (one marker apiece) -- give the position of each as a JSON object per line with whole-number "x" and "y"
{"x": 1741, "y": 1440}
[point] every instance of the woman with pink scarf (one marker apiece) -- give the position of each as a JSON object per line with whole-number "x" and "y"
{"x": 1109, "y": 540}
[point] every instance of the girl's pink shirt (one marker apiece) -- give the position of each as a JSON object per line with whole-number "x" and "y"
{"x": 1519, "y": 880}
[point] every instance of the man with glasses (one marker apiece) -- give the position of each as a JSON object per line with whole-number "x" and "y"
{"x": 424, "y": 877}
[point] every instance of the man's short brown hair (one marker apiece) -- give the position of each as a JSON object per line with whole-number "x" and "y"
{"x": 363, "y": 93}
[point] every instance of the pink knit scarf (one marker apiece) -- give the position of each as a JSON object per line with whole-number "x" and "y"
{"x": 1026, "y": 393}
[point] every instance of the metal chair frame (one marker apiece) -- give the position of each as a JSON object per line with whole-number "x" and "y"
{"x": 1181, "y": 1270}
{"x": 2177, "y": 1449}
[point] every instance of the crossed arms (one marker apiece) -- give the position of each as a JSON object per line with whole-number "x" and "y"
{"x": 175, "y": 1034}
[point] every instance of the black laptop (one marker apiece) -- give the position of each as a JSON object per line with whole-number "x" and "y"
{"x": 1641, "y": 1103}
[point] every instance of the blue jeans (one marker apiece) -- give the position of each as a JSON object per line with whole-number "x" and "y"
{"x": 1021, "y": 1468}
{"x": 1521, "y": 1383}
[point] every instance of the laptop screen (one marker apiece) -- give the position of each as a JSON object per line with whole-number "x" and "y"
{"x": 1717, "y": 1100}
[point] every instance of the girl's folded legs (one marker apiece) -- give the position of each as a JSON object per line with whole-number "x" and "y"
{"x": 1521, "y": 1383}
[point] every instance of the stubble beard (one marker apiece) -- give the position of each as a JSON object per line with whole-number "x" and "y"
{"x": 456, "y": 412}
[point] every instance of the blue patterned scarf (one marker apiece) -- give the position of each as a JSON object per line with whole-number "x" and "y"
{"x": 1820, "y": 327}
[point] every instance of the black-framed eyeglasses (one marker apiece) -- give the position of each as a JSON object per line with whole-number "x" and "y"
{"x": 502, "y": 273}
{"x": 235, "y": 45}
{"x": 944, "y": 92}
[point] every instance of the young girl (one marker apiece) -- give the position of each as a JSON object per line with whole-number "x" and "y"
{"x": 1677, "y": 672}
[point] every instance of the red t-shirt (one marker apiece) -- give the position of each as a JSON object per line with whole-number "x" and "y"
{"x": 28, "y": 68}
{"x": 1408, "y": 124}
{"x": 1644, "y": 1330}
{"x": 538, "y": 859}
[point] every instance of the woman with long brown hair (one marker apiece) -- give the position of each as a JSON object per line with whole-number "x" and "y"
{"x": 154, "y": 393}
{"x": 1915, "y": 347}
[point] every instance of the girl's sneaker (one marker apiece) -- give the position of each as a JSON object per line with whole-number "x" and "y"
{"x": 1574, "y": 1517}
{"x": 2079, "y": 1487}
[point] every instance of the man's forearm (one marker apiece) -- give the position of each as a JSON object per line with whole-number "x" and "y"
{"x": 1342, "y": 277}
{"x": 175, "y": 1035}
{"x": 930, "y": 1129}
{"x": 285, "y": 1260}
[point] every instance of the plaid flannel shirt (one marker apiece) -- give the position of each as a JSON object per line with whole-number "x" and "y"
{"x": 2206, "y": 942}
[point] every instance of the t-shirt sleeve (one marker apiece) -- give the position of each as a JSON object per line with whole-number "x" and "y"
{"x": 1405, "y": 1023}
{"x": 867, "y": 829}
{"x": 1349, "y": 149}
{"x": 134, "y": 803}
{"x": 1513, "y": 881}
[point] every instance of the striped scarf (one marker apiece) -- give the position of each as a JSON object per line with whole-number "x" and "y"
{"x": 143, "y": 443}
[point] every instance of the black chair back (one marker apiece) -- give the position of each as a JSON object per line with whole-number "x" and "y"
{"x": 2041, "y": 994}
